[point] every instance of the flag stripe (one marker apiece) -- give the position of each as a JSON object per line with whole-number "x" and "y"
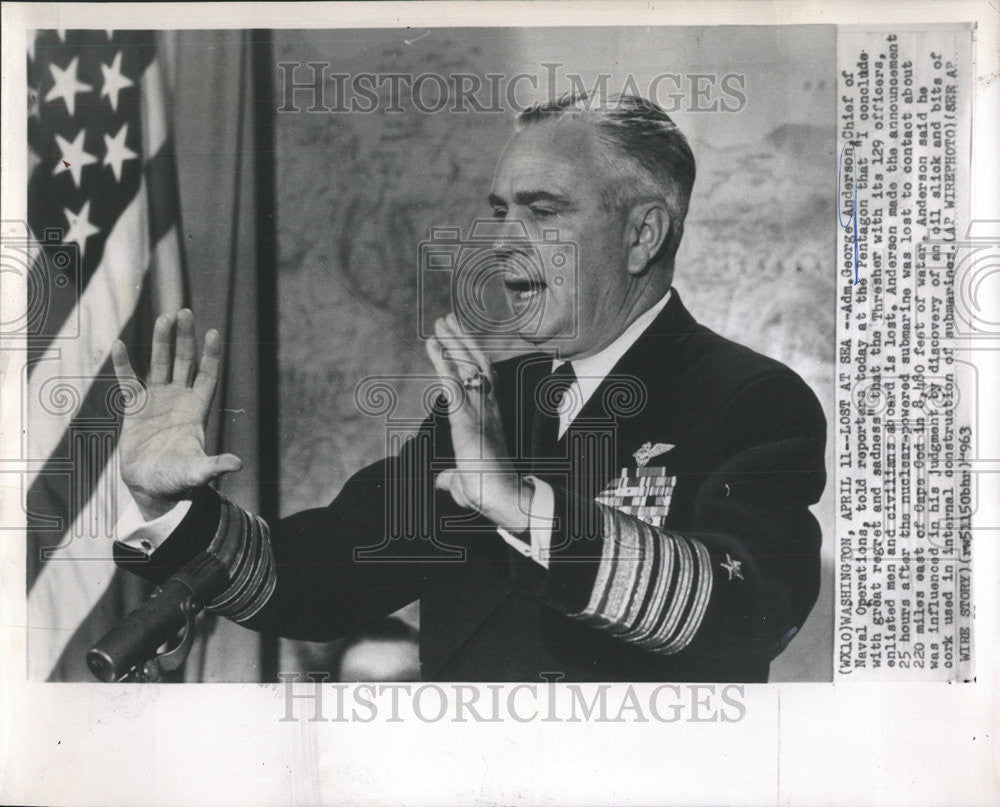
{"x": 162, "y": 194}
{"x": 154, "y": 110}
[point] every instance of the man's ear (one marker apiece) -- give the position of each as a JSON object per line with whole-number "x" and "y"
{"x": 647, "y": 231}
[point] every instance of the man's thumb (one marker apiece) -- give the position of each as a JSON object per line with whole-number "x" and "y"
{"x": 212, "y": 467}
{"x": 443, "y": 481}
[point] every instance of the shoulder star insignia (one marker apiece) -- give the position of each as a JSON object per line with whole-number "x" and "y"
{"x": 647, "y": 451}
{"x": 733, "y": 567}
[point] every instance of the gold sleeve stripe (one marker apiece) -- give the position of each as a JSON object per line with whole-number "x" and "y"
{"x": 648, "y": 584}
{"x": 652, "y": 588}
{"x": 619, "y": 551}
{"x": 243, "y": 544}
{"x": 647, "y": 608}
{"x": 602, "y": 583}
{"x": 699, "y": 602}
{"x": 677, "y": 602}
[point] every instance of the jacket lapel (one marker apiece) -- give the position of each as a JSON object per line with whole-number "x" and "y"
{"x": 647, "y": 361}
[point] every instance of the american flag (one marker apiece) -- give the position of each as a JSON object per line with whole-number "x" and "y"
{"x": 103, "y": 214}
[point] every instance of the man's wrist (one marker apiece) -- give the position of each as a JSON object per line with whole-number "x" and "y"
{"x": 536, "y": 539}
{"x": 516, "y": 514}
{"x": 152, "y": 507}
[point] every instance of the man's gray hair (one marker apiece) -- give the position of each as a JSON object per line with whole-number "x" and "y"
{"x": 646, "y": 155}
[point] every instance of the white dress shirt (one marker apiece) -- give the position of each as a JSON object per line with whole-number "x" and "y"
{"x": 146, "y": 536}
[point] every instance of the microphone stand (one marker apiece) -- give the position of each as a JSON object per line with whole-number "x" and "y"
{"x": 130, "y": 652}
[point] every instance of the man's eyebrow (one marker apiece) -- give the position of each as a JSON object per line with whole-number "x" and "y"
{"x": 528, "y": 197}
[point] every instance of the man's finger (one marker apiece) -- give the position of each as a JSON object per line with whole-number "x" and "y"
{"x": 447, "y": 373}
{"x": 454, "y": 351}
{"x": 435, "y": 352}
{"x": 207, "y": 469}
{"x": 470, "y": 344}
{"x": 159, "y": 362}
{"x": 184, "y": 348}
{"x": 442, "y": 339}
{"x": 208, "y": 369}
{"x": 122, "y": 365}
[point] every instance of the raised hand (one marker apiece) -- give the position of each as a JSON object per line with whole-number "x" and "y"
{"x": 162, "y": 445}
{"x": 484, "y": 478}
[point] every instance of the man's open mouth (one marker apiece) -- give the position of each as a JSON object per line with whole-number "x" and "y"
{"x": 523, "y": 288}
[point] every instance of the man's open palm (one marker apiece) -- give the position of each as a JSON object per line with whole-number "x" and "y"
{"x": 162, "y": 446}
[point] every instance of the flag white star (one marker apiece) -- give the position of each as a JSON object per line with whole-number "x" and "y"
{"x": 80, "y": 228}
{"x": 73, "y": 154}
{"x": 114, "y": 81}
{"x": 118, "y": 152}
{"x": 66, "y": 86}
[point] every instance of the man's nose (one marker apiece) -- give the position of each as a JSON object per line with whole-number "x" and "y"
{"x": 511, "y": 236}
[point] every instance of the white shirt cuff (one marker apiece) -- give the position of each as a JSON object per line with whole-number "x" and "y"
{"x": 541, "y": 516}
{"x": 146, "y": 536}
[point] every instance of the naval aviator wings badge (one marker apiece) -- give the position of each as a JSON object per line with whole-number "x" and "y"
{"x": 646, "y": 492}
{"x": 647, "y": 451}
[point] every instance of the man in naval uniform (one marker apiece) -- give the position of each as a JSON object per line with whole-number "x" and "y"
{"x": 629, "y": 501}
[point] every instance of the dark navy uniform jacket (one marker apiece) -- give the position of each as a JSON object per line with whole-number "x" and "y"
{"x": 683, "y": 547}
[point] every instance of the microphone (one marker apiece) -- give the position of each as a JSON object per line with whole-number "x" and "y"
{"x": 133, "y": 642}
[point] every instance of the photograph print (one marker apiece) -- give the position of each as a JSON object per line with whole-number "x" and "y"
{"x": 431, "y": 355}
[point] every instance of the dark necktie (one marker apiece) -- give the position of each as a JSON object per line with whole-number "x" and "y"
{"x": 548, "y": 402}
